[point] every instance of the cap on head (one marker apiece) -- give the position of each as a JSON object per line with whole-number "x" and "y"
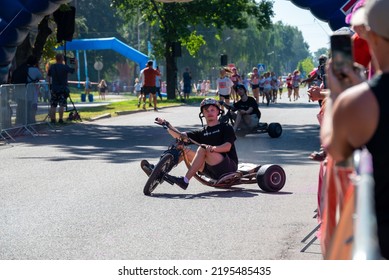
{"x": 376, "y": 16}
{"x": 323, "y": 58}
{"x": 150, "y": 63}
{"x": 240, "y": 85}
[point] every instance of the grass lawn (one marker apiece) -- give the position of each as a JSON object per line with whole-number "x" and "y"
{"x": 119, "y": 104}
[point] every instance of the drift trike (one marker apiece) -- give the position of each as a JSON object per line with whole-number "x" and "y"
{"x": 269, "y": 177}
{"x": 273, "y": 129}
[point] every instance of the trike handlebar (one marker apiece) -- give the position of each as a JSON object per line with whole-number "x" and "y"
{"x": 229, "y": 107}
{"x": 165, "y": 124}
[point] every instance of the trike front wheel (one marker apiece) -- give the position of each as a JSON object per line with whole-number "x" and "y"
{"x": 159, "y": 171}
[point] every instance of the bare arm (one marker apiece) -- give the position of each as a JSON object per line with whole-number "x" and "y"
{"x": 347, "y": 125}
{"x": 174, "y": 132}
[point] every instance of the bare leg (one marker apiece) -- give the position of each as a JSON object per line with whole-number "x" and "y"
{"x": 52, "y": 113}
{"x": 155, "y": 101}
{"x": 60, "y": 112}
{"x": 199, "y": 160}
{"x": 237, "y": 121}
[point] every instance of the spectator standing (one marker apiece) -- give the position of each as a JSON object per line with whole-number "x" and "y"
{"x": 88, "y": 86}
{"x": 163, "y": 87}
{"x": 158, "y": 84}
{"x": 102, "y": 89}
{"x": 207, "y": 87}
{"x": 187, "y": 83}
{"x": 58, "y": 74}
{"x": 319, "y": 74}
{"x": 198, "y": 87}
{"x": 138, "y": 91}
{"x": 148, "y": 78}
{"x": 34, "y": 75}
{"x": 359, "y": 116}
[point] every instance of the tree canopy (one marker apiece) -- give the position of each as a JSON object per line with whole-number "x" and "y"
{"x": 177, "y": 22}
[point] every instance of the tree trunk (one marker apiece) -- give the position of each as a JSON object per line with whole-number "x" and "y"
{"x": 171, "y": 72}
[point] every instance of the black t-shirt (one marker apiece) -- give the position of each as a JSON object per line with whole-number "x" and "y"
{"x": 249, "y": 103}
{"x": 215, "y": 136}
{"x": 59, "y": 74}
{"x": 379, "y": 149}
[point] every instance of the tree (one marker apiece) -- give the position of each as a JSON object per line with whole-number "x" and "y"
{"x": 305, "y": 66}
{"x": 176, "y": 22}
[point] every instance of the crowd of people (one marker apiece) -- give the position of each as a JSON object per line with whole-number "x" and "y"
{"x": 352, "y": 116}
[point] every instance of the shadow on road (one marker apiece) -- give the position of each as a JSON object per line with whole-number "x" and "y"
{"x": 225, "y": 193}
{"x": 121, "y": 144}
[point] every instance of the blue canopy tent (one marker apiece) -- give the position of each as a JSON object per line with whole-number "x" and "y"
{"x": 332, "y": 11}
{"x": 107, "y": 44}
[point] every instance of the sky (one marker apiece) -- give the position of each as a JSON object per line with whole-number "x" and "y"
{"x": 315, "y": 32}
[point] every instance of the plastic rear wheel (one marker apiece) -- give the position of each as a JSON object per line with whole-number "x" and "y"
{"x": 159, "y": 171}
{"x": 274, "y": 130}
{"x": 271, "y": 178}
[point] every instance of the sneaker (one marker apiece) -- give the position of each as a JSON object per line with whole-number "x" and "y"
{"x": 144, "y": 106}
{"x": 155, "y": 109}
{"x": 150, "y": 105}
{"x": 147, "y": 167}
{"x": 60, "y": 121}
{"x": 138, "y": 105}
{"x": 179, "y": 181}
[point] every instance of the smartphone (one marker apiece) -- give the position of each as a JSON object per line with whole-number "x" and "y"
{"x": 342, "y": 53}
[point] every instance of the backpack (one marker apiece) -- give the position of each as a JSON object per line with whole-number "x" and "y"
{"x": 19, "y": 75}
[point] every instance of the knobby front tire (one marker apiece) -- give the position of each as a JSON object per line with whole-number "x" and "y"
{"x": 159, "y": 171}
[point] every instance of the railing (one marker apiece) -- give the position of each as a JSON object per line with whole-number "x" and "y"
{"x": 365, "y": 229}
{"x": 22, "y": 106}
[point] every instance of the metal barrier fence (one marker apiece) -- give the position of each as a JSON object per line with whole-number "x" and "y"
{"x": 23, "y": 106}
{"x": 365, "y": 229}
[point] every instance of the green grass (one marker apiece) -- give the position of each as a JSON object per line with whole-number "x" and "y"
{"x": 115, "y": 107}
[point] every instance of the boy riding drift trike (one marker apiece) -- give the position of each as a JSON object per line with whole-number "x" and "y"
{"x": 214, "y": 163}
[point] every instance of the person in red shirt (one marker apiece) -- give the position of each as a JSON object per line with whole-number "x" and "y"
{"x": 147, "y": 76}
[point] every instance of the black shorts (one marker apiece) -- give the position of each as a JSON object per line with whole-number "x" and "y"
{"x": 216, "y": 171}
{"x": 58, "y": 98}
{"x": 225, "y": 96}
{"x": 187, "y": 89}
{"x": 148, "y": 89}
{"x": 254, "y": 86}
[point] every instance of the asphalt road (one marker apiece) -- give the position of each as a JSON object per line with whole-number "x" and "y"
{"x": 76, "y": 193}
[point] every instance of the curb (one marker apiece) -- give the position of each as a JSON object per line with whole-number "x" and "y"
{"x": 105, "y": 116}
